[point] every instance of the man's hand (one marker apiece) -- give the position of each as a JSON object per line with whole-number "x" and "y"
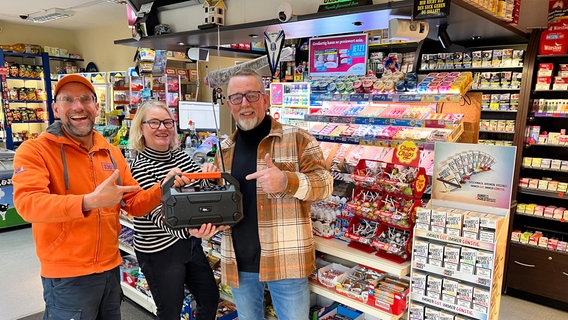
{"x": 206, "y": 231}
{"x": 179, "y": 181}
{"x": 209, "y": 167}
{"x": 107, "y": 194}
{"x": 271, "y": 179}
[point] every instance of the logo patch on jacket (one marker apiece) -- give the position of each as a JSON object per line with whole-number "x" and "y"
{"x": 19, "y": 170}
{"x": 107, "y": 166}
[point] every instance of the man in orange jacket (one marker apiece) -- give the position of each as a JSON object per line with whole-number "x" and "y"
{"x": 70, "y": 184}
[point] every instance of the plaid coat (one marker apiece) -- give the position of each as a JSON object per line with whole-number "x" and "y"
{"x": 285, "y": 229}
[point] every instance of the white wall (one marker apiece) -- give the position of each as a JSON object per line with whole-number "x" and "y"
{"x": 238, "y": 12}
{"x": 96, "y": 45}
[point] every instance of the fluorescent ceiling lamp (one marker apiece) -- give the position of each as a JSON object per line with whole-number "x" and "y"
{"x": 50, "y": 15}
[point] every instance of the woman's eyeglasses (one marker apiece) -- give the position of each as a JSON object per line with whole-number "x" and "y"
{"x": 155, "y": 123}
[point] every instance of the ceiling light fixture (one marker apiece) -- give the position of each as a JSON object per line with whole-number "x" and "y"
{"x": 50, "y": 15}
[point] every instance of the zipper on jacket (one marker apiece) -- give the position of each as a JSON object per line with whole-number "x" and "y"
{"x": 98, "y": 211}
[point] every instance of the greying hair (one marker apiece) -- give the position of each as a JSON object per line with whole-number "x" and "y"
{"x": 247, "y": 73}
{"x": 136, "y": 138}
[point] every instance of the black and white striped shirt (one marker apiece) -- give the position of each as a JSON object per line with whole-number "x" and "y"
{"x": 151, "y": 166}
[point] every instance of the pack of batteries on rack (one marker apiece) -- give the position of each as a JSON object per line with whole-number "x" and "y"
{"x": 192, "y": 206}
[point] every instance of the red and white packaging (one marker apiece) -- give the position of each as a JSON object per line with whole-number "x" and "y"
{"x": 553, "y": 42}
{"x": 560, "y": 83}
{"x": 543, "y": 83}
{"x": 545, "y": 69}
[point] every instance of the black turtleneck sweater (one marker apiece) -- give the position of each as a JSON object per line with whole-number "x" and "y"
{"x": 245, "y": 233}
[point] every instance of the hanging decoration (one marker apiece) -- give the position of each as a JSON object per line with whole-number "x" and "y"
{"x": 273, "y": 41}
{"x": 219, "y": 78}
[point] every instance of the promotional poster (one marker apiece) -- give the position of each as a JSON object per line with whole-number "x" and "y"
{"x": 336, "y": 56}
{"x": 474, "y": 174}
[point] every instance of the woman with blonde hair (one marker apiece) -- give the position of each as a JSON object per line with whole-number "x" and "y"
{"x": 169, "y": 258}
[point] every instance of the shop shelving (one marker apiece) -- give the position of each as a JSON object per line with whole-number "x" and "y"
{"x": 339, "y": 248}
{"x": 126, "y": 91}
{"x": 42, "y": 82}
{"x": 539, "y": 272}
{"x": 290, "y": 102}
{"x": 132, "y": 293}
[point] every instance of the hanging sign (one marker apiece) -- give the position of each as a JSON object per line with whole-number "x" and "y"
{"x": 406, "y": 153}
{"x": 274, "y": 41}
{"x": 328, "y": 5}
{"x": 427, "y": 9}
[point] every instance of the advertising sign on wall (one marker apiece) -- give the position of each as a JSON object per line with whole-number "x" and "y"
{"x": 474, "y": 174}
{"x": 341, "y": 55}
{"x": 429, "y": 9}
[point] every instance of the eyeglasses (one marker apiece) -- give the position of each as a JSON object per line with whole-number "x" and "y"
{"x": 252, "y": 96}
{"x": 68, "y": 101}
{"x": 155, "y": 123}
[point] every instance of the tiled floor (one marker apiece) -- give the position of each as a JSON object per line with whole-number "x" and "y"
{"x": 22, "y": 292}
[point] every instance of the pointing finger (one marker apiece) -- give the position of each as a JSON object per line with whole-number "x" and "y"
{"x": 112, "y": 178}
{"x": 253, "y": 176}
{"x": 127, "y": 189}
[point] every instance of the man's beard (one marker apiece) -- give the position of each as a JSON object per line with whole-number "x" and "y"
{"x": 247, "y": 124}
{"x": 79, "y": 132}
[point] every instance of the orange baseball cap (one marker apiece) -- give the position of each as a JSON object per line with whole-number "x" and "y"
{"x": 73, "y": 78}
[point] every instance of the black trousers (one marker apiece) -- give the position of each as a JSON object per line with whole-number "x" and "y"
{"x": 168, "y": 270}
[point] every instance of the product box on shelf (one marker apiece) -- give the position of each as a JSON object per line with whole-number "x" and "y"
{"x": 130, "y": 275}
{"x": 226, "y": 311}
{"x": 358, "y": 282}
{"x": 328, "y": 275}
{"x": 390, "y": 295}
{"x": 334, "y": 310}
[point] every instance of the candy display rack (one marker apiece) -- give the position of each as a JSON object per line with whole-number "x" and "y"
{"x": 383, "y": 205}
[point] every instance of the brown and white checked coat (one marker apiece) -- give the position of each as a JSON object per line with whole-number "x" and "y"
{"x": 285, "y": 228}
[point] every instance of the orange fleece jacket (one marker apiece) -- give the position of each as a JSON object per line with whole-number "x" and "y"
{"x": 51, "y": 175}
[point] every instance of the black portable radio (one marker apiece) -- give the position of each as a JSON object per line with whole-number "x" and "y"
{"x": 193, "y": 206}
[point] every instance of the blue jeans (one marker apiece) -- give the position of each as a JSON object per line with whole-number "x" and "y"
{"x": 95, "y": 296}
{"x": 290, "y": 297}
